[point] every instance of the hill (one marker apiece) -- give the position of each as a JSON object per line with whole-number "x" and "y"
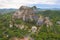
{"x": 20, "y": 29}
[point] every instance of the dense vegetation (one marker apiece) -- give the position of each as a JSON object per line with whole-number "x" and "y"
{"x": 50, "y": 33}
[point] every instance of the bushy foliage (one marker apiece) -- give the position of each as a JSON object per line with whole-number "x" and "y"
{"x": 50, "y": 33}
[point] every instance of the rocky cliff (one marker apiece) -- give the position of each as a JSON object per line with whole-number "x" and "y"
{"x": 25, "y": 13}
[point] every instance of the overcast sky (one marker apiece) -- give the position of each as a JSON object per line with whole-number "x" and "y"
{"x": 38, "y": 3}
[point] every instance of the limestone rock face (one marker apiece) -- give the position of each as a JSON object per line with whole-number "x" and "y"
{"x": 25, "y": 13}
{"x": 40, "y": 20}
{"x": 44, "y": 20}
{"x": 28, "y": 14}
{"x": 48, "y": 22}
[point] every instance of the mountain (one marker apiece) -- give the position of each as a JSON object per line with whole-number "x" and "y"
{"x": 2, "y": 11}
{"x": 14, "y": 29}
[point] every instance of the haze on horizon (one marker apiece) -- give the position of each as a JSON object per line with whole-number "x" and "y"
{"x": 38, "y": 3}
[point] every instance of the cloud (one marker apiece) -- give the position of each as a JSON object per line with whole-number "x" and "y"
{"x": 18, "y": 3}
{"x": 57, "y": 2}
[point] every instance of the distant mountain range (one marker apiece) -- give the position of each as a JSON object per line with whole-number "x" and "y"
{"x": 46, "y": 6}
{"x": 52, "y": 9}
{"x": 2, "y": 11}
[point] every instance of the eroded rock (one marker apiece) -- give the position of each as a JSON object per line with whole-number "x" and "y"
{"x": 34, "y": 29}
{"x": 48, "y": 22}
{"x": 40, "y": 20}
{"x": 25, "y": 13}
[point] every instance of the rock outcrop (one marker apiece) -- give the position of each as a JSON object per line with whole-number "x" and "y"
{"x": 25, "y": 13}
{"x": 34, "y": 29}
{"x": 28, "y": 14}
{"x": 23, "y": 38}
{"x": 48, "y": 22}
{"x": 40, "y": 20}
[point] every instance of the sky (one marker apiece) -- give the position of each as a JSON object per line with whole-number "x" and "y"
{"x": 38, "y": 3}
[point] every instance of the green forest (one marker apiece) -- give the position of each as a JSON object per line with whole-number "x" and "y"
{"x": 45, "y": 33}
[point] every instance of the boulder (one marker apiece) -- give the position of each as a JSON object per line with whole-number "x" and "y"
{"x": 11, "y": 24}
{"x": 34, "y": 29}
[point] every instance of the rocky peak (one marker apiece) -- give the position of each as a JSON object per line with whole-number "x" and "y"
{"x": 25, "y": 13}
{"x": 23, "y": 7}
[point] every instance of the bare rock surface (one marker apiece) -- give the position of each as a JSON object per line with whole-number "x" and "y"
{"x": 25, "y": 13}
